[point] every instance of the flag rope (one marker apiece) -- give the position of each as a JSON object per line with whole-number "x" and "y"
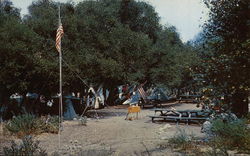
{"x": 72, "y": 70}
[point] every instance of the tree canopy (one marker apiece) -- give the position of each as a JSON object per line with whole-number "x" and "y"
{"x": 224, "y": 50}
{"x": 109, "y": 42}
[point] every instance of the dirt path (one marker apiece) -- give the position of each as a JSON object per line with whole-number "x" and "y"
{"x": 112, "y": 134}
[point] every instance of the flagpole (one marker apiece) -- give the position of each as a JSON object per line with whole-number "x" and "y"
{"x": 60, "y": 83}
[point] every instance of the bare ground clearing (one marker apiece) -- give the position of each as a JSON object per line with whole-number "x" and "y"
{"x": 110, "y": 134}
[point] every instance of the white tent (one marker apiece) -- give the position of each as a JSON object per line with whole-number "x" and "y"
{"x": 98, "y": 98}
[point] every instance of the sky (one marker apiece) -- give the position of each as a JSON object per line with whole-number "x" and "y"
{"x": 186, "y": 15}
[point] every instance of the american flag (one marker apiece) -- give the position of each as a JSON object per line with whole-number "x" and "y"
{"x": 59, "y": 34}
{"x": 142, "y": 93}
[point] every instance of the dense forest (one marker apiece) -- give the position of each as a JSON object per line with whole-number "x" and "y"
{"x": 116, "y": 42}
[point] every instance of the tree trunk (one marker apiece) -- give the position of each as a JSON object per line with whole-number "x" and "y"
{"x": 178, "y": 93}
{"x": 112, "y": 96}
{"x": 8, "y": 109}
{"x": 240, "y": 103}
{"x": 1, "y": 96}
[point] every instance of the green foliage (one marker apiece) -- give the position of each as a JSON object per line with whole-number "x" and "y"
{"x": 248, "y": 117}
{"x": 227, "y": 136}
{"x": 224, "y": 47}
{"x": 184, "y": 142}
{"x": 50, "y": 124}
{"x": 109, "y": 42}
{"x": 180, "y": 139}
{"x": 95, "y": 43}
{"x": 28, "y": 147}
{"x": 140, "y": 17}
{"x": 23, "y": 125}
{"x": 231, "y": 135}
{"x": 28, "y": 124}
{"x": 171, "y": 60}
{"x": 82, "y": 120}
{"x": 17, "y": 46}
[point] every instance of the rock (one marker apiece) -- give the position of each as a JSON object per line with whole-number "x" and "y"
{"x": 229, "y": 117}
{"x": 79, "y": 147}
{"x": 167, "y": 126}
{"x": 164, "y": 128}
{"x": 206, "y": 127}
{"x": 164, "y": 138}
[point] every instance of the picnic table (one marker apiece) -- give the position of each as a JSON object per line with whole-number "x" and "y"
{"x": 192, "y": 98}
{"x": 181, "y": 115}
{"x": 149, "y": 103}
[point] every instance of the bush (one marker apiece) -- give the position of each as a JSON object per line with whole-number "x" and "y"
{"x": 181, "y": 138}
{"x": 51, "y": 124}
{"x": 248, "y": 118}
{"x": 28, "y": 147}
{"x": 233, "y": 135}
{"x": 184, "y": 142}
{"x": 82, "y": 120}
{"x": 28, "y": 124}
{"x": 23, "y": 125}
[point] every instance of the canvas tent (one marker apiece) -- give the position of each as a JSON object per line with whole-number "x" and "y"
{"x": 134, "y": 99}
{"x": 70, "y": 113}
{"x": 158, "y": 94}
{"x": 154, "y": 94}
{"x": 97, "y": 99}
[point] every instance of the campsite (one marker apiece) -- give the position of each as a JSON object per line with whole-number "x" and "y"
{"x": 124, "y": 77}
{"x": 111, "y": 133}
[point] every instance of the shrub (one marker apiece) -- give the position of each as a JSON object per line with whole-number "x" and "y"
{"x": 51, "y": 124}
{"x": 231, "y": 135}
{"x": 82, "y": 120}
{"x": 181, "y": 138}
{"x": 184, "y": 142}
{"x": 28, "y": 124}
{"x": 23, "y": 125}
{"x": 28, "y": 147}
{"x": 248, "y": 118}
